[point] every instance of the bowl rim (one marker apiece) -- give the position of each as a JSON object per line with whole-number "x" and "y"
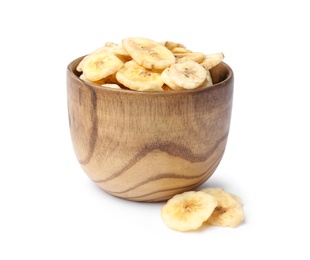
{"x": 72, "y": 70}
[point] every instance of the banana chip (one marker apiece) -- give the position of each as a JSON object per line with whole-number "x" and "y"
{"x": 172, "y": 45}
{"x": 136, "y": 77}
{"x": 229, "y": 211}
{"x": 99, "y": 82}
{"x": 111, "y": 85}
{"x": 188, "y": 211}
{"x": 187, "y": 75}
{"x": 148, "y": 53}
{"x": 212, "y": 60}
{"x": 180, "y": 50}
{"x": 185, "y": 56}
{"x": 99, "y": 66}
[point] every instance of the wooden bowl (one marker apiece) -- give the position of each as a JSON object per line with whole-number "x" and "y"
{"x": 149, "y": 146}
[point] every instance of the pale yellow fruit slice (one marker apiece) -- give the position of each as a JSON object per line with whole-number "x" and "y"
{"x": 172, "y": 45}
{"x": 165, "y": 76}
{"x": 212, "y": 60}
{"x": 209, "y": 80}
{"x": 99, "y": 82}
{"x": 116, "y": 49}
{"x": 135, "y": 77}
{"x": 109, "y": 47}
{"x": 187, "y": 75}
{"x": 111, "y": 85}
{"x": 79, "y": 67}
{"x": 229, "y": 211}
{"x": 185, "y": 56}
{"x": 180, "y": 50}
{"x": 187, "y": 211}
{"x": 99, "y": 66}
{"x": 148, "y": 53}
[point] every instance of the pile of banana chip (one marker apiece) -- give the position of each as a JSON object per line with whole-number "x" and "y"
{"x": 189, "y": 210}
{"x": 142, "y": 64}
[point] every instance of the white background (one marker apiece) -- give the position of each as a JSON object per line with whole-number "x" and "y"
{"x": 51, "y": 210}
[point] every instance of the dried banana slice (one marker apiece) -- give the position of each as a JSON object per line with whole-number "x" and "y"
{"x": 195, "y": 56}
{"x": 136, "y": 77}
{"x": 167, "y": 88}
{"x": 186, "y": 75}
{"x": 109, "y": 47}
{"x": 180, "y": 50}
{"x": 99, "y": 82}
{"x": 79, "y": 67}
{"x": 187, "y": 211}
{"x": 148, "y": 53}
{"x": 172, "y": 45}
{"x": 99, "y": 66}
{"x": 229, "y": 211}
{"x": 209, "y": 81}
{"x": 106, "y": 82}
{"x": 117, "y": 49}
{"x": 111, "y": 85}
{"x": 165, "y": 75}
{"x": 212, "y": 60}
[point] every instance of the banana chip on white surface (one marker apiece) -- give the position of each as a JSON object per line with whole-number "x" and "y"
{"x": 188, "y": 211}
{"x": 229, "y": 211}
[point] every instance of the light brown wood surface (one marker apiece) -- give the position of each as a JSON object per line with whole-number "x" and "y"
{"x": 149, "y": 146}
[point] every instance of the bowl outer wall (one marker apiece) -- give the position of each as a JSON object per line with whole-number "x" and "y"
{"x": 149, "y": 146}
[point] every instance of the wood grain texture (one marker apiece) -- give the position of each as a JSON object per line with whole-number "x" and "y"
{"x": 149, "y": 146}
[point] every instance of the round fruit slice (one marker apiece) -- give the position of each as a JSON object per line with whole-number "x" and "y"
{"x": 229, "y": 211}
{"x": 99, "y": 66}
{"x": 187, "y": 211}
{"x": 148, "y": 53}
{"x": 136, "y": 77}
{"x": 187, "y": 75}
{"x": 212, "y": 60}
